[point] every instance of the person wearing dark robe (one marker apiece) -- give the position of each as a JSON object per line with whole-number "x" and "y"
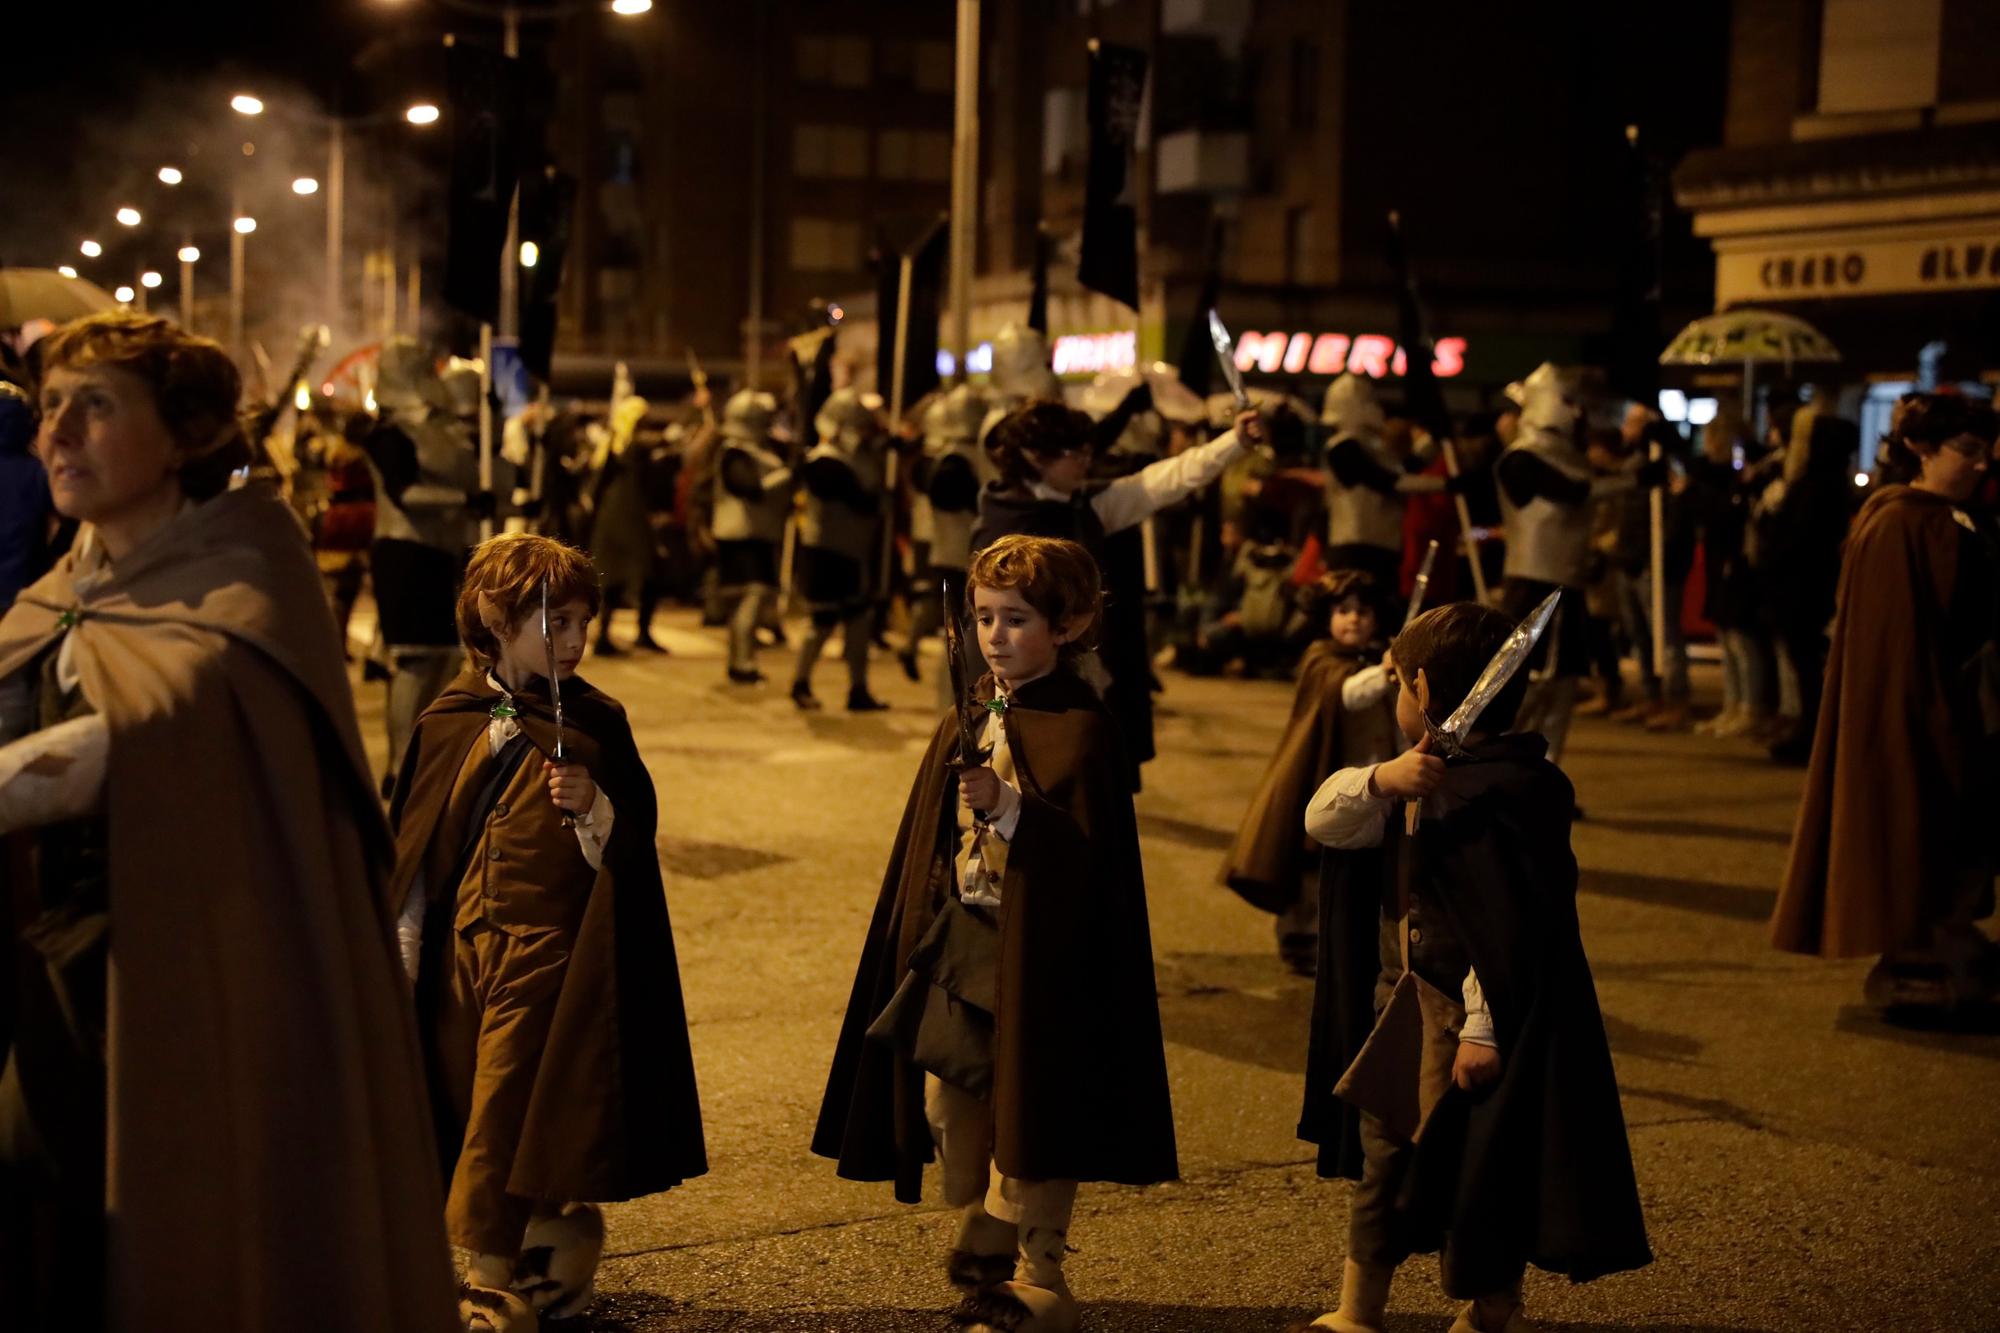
{"x": 1472, "y": 1094}
{"x": 233, "y": 1132}
{"x": 840, "y": 543}
{"x": 1342, "y": 716}
{"x": 1043, "y": 451}
{"x": 626, "y": 496}
{"x": 1893, "y": 852}
{"x": 533, "y": 922}
{"x": 1005, "y": 1018}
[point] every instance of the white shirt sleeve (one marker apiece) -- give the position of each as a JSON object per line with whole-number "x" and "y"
{"x": 593, "y": 829}
{"x": 1365, "y": 688}
{"x": 54, "y": 774}
{"x": 1132, "y": 500}
{"x": 1478, "y": 1027}
{"x": 1342, "y": 814}
{"x": 1007, "y": 818}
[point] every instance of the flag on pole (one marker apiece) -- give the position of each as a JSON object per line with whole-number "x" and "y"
{"x": 1038, "y": 297}
{"x": 1109, "y": 260}
{"x": 483, "y": 92}
{"x": 925, "y": 240}
{"x": 548, "y": 202}
{"x": 1197, "y": 348}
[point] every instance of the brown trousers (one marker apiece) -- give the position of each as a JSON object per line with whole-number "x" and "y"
{"x": 495, "y": 1018}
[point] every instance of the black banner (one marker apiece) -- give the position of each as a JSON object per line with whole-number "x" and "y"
{"x": 1423, "y": 396}
{"x": 548, "y": 202}
{"x": 1109, "y": 261}
{"x": 1038, "y": 296}
{"x": 1197, "y": 346}
{"x": 482, "y": 95}
{"x": 924, "y": 241}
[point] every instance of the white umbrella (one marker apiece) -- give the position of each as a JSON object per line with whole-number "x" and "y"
{"x": 28, "y": 294}
{"x": 1745, "y": 337}
{"x": 1172, "y": 399}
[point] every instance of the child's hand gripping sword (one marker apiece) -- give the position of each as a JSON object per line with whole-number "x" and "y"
{"x": 1448, "y": 740}
{"x": 555, "y": 687}
{"x": 971, "y": 754}
{"x": 1225, "y": 355}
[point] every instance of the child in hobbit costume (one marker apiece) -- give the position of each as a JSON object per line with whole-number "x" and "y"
{"x": 1489, "y": 1125}
{"x": 1343, "y": 716}
{"x": 1005, "y": 1015}
{"x": 533, "y": 920}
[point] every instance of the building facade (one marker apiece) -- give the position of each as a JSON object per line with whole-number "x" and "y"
{"x": 1857, "y": 185}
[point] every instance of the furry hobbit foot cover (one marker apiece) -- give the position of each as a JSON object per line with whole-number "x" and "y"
{"x": 558, "y": 1265}
{"x": 485, "y": 1310}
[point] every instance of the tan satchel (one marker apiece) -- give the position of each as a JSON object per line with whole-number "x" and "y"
{"x": 1404, "y": 1068}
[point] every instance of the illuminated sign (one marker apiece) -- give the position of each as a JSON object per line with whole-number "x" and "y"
{"x": 1874, "y": 267}
{"x": 1370, "y": 354}
{"x": 978, "y": 362}
{"x": 1094, "y": 353}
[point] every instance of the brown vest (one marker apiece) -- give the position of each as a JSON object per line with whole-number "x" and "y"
{"x": 526, "y": 872}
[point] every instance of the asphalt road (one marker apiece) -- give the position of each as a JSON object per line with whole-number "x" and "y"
{"x": 1803, "y": 1165}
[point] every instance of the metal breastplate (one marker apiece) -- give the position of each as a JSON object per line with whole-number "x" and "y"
{"x": 761, "y": 519}
{"x": 1547, "y": 541}
{"x": 835, "y": 525}
{"x": 1361, "y": 515}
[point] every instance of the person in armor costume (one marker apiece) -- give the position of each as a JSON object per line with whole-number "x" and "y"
{"x": 1367, "y": 481}
{"x": 427, "y": 497}
{"x": 1021, "y": 374}
{"x": 953, "y": 471}
{"x": 621, "y": 531}
{"x": 1043, "y": 451}
{"x": 753, "y": 498}
{"x": 845, "y": 478}
{"x": 1546, "y": 491}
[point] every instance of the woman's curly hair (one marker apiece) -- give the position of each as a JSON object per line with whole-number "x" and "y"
{"x": 195, "y": 387}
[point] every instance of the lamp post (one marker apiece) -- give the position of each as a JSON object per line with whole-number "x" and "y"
{"x": 239, "y": 232}
{"x": 964, "y": 182}
{"x": 189, "y": 257}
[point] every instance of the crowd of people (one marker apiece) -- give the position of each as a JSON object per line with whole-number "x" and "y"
{"x": 461, "y": 1023}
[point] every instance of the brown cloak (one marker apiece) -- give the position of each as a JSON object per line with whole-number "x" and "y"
{"x": 614, "y": 1114}
{"x": 1888, "y": 821}
{"x": 1272, "y": 853}
{"x": 1080, "y": 1072}
{"x": 269, "y": 1152}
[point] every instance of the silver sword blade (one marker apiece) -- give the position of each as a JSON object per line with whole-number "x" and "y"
{"x": 1225, "y": 352}
{"x": 555, "y": 671}
{"x": 1422, "y": 585}
{"x": 1449, "y": 738}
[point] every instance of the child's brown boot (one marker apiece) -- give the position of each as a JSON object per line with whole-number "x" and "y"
{"x": 982, "y": 1254}
{"x": 1038, "y": 1299}
{"x": 1364, "y": 1298}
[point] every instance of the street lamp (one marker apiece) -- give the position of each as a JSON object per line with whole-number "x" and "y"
{"x": 124, "y": 295}
{"x": 128, "y": 217}
{"x": 150, "y": 280}
{"x": 629, "y": 8}
{"x": 531, "y": 254}
{"x": 244, "y": 226}
{"x": 170, "y": 176}
{"x": 66, "y": 270}
{"x": 305, "y": 185}
{"x": 189, "y": 254}
{"x": 246, "y": 105}
{"x": 423, "y": 113}
{"x": 91, "y": 249}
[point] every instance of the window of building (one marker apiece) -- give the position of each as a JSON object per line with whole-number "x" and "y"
{"x": 934, "y": 68}
{"x": 1305, "y": 86}
{"x": 838, "y": 152}
{"x": 842, "y": 62}
{"x": 913, "y": 155}
{"x": 1879, "y": 57}
{"x": 1063, "y": 129}
{"x": 821, "y": 245}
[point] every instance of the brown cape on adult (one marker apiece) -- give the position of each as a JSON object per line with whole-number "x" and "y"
{"x": 1272, "y": 854}
{"x": 1889, "y": 814}
{"x": 268, "y": 1149}
{"x": 614, "y": 1113}
{"x": 1080, "y": 1073}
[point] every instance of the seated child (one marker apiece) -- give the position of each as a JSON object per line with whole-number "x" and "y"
{"x": 1343, "y": 716}
{"x": 1004, "y": 1016}
{"x": 1489, "y": 1122}
{"x": 533, "y": 921}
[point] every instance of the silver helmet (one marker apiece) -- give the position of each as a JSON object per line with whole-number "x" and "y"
{"x": 1551, "y": 399}
{"x": 1021, "y": 364}
{"x": 1350, "y": 409}
{"x": 747, "y": 416}
{"x": 954, "y": 418}
{"x": 845, "y": 418}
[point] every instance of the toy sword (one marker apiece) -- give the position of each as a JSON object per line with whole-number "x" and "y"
{"x": 1449, "y": 739}
{"x": 555, "y": 686}
{"x": 1225, "y": 352}
{"x": 1423, "y": 584}
{"x": 971, "y": 753}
